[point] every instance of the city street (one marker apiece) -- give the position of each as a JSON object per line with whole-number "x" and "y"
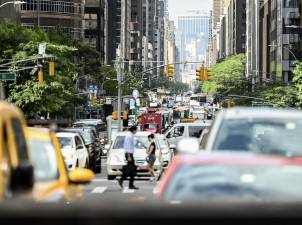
{"x": 102, "y": 189}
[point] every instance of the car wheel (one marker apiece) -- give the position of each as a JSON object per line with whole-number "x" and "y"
{"x": 98, "y": 168}
{"x": 109, "y": 177}
{"x": 77, "y": 164}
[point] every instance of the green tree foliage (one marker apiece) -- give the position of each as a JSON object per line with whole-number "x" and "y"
{"x": 55, "y": 96}
{"x": 297, "y": 80}
{"x": 227, "y": 77}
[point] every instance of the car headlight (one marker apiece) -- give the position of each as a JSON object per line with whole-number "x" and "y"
{"x": 164, "y": 151}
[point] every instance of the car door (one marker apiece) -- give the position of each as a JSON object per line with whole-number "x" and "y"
{"x": 176, "y": 134}
{"x": 80, "y": 151}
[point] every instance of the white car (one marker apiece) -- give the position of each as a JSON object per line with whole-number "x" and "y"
{"x": 166, "y": 151}
{"x": 256, "y": 130}
{"x": 116, "y": 155}
{"x": 73, "y": 149}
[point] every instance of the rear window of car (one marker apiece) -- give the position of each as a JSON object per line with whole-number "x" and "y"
{"x": 195, "y": 131}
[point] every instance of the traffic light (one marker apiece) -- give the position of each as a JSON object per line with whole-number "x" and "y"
{"x": 94, "y": 99}
{"x": 40, "y": 76}
{"x": 198, "y": 74}
{"x": 125, "y": 116}
{"x": 51, "y": 69}
{"x": 114, "y": 115}
{"x": 169, "y": 71}
{"x": 207, "y": 74}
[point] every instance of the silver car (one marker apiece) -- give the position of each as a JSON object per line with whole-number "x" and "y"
{"x": 266, "y": 131}
{"x": 116, "y": 155}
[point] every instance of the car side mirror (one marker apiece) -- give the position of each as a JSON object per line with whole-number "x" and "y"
{"x": 22, "y": 177}
{"x": 107, "y": 147}
{"x": 81, "y": 176}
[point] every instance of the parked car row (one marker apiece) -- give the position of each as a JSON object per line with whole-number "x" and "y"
{"x": 33, "y": 164}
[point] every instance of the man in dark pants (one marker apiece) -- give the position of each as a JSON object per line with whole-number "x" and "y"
{"x": 130, "y": 168}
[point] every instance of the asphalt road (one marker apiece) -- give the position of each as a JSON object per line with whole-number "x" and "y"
{"x": 102, "y": 188}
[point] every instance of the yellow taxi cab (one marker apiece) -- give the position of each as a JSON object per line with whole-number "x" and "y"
{"x": 52, "y": 181}
{"x": 16, "y": 170}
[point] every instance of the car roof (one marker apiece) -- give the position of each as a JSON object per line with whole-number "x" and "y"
{"x": 195, "y": 124}
{"x": 66, "y": 134}
{"x": 139, "y": 133}
{"x": 244, "y": 113}
{"x": 237, "y": 158}
{"x": 35, "y": 133}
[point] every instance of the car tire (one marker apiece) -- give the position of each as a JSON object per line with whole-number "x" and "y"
{"x": 110, "y": 177}
{"x": 77, "y": 164}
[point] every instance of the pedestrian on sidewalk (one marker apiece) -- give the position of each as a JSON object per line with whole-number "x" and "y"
{"x": 151, "y": 157}
{"x": 130, "y": 169}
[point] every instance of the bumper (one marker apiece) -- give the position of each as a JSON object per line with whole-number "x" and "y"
{"x": 116, "y": 170}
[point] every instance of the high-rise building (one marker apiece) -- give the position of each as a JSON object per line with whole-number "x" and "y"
{"x": 252, "y": 39}
{"x": 192, "y": 27}
{"x": 236, "y": 35}
{"x": 95, "y": 25}
{"x": 117, "y": 30}
{"x": 136, "y": 50}
{"x": 281, "y": 42}
{"x": 64, "y": 16}
{"x": 9, "y": 12}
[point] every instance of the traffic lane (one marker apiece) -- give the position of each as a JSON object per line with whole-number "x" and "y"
{"x": 102, "y": 188}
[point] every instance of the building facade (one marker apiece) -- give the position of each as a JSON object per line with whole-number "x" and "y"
{"x": 95, "y": 25}
{"x": 64, "y": 16}
{"x": 280, "y": 47}
{"x": 9, "y": 12}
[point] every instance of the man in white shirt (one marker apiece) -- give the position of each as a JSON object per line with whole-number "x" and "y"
{"x": 130, "y": 168}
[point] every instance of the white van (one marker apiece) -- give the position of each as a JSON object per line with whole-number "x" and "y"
{"x": 185, "y": 130}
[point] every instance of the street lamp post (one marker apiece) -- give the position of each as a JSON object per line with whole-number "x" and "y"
{"x": 288, "y": 49}
{"x": 13, "y": 2}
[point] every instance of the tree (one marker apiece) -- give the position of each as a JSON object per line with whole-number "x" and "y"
{"x": 297, "y": 80}
{"x": 53, "y": 96}
{"x": 227, "y": 77}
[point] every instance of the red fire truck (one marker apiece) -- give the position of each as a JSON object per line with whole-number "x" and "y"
{"x": 151, "y": 121}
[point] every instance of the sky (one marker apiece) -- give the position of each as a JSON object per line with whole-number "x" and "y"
{"x": 179, "y": 7}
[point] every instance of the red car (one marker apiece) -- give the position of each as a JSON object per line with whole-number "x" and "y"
{"x": 231, "y": 176}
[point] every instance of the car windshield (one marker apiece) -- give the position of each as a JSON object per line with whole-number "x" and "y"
{"x": 65, "y": 142}
{"x": 141, "y": 142}
{"x": 234, "y": 182}
{"x": 87, "y": 136}
{"x": 44, "y": 160}
{"x": 270, "y": 136}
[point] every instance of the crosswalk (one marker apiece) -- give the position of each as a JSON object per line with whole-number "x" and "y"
{"x": 101, "y": 186}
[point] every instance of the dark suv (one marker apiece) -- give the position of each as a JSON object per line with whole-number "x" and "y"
{"x": 93, "y": 145}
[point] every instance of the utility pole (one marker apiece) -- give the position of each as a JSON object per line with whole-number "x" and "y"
{"x": 147, "y": 40}
{"x": 119, "y": 101}
{"x": 2, "y": 91}
{"x": 38, "y": 12}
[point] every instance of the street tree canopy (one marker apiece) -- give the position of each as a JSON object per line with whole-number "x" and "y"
{"x": 227, "y": 77}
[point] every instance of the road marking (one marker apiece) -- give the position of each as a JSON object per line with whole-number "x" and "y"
{"x": 128, "y": 191}
{"x": 99, "y": 190}
{"x": 99, "y": 180}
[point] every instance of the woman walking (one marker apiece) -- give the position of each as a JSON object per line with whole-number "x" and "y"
{"x": 151, "y": 157}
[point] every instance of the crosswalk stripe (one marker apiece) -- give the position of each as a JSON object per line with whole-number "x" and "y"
{"x": 128, "y": 191}
{"x": 99, "y": 190}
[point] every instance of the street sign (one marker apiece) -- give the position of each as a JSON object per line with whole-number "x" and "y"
{"x": 8, "y": 76}
{"x": 135, "y": 94}
{"x": 42, "y": 48}
{"x": 108, "y": 101}
{"x": 132, "y": 103}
